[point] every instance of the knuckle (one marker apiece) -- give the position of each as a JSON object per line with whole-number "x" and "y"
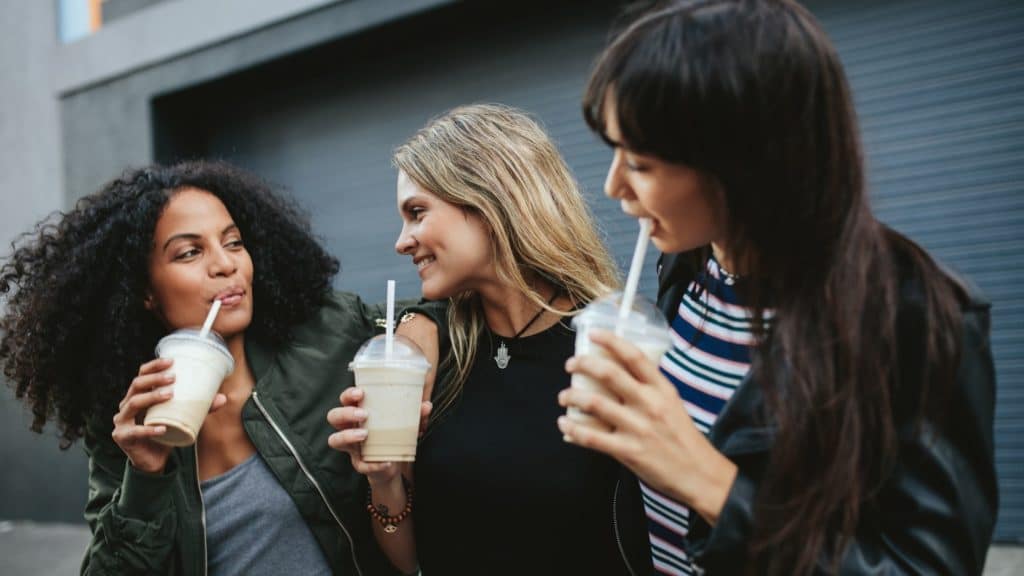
{"x": 633, "y": 355}
{"x": 589, "y": 402}
{"x": 583, "y": 437}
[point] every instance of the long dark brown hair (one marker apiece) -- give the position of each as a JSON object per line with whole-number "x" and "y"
{"x": 752, "y": 94}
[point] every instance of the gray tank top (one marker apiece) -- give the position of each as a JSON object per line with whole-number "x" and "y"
{"x": 253, "y": 527}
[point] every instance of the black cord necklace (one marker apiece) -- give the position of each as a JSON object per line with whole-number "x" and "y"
{"x": 502, "y": 358}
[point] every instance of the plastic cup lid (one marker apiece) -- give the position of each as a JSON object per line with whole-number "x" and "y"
{"x": 645, "y": 320}
{"x": 404, "y": 354}
{"x": 212, "y": 339}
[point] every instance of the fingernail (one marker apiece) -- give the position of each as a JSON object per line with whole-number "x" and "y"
{"x": 166, "y": 392}
{"x": 160, "y": 429}
{"x": 429, "y": 404}
{"x": 359, "y": 433}
{"x": 168, "y": 377}
{"x": 567, "y": 438}
{"x": 359, "y": 413}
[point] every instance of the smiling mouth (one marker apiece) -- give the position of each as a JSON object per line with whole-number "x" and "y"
{"x": 424, "y": 262}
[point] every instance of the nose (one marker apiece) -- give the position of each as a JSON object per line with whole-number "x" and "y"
{"x": 614, "y": 184}
{"x": 406, "y": 242}
{"x": 222, "y": 263}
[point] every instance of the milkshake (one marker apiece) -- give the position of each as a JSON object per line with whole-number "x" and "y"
{"x": 392, "y": 394}
{"x": 201, "y": 363}
{"x": 644, "y": 327}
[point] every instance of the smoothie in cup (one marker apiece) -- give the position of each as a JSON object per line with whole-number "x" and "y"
{"x": 201, "y": 363}
{"x": 392, "y": 394}
{"x": 644, "y": 327}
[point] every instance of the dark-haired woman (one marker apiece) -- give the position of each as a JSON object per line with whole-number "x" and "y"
{"x": 837, "y": 385}
{"x": 89, "y": 295}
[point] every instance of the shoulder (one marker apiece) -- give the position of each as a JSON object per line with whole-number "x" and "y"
{"x": 342, "y": 313}
{"x": 339, "y": 325}
{"x": 922, "y": 280}
{"x": 424, "y": 323}
{"x": 434, "y": 311}
{"x": 675, "y": 272}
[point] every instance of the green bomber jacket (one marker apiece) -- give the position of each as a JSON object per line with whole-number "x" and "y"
{"x": 155, "y": 524}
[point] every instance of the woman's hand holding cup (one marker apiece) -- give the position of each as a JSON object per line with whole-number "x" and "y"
{"x": 349, "y": 420}
{"x": 135, "y": 439}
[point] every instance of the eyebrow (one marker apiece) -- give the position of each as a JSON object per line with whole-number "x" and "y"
{"x": 194, "y": 236}
{"x": 405, "y": 203}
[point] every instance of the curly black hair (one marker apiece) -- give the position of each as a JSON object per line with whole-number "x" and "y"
{"x": 75, "y": 329}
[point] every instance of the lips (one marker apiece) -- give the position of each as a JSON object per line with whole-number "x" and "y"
{"x": 230, "y": 296}
{"x": 422, "y": 262}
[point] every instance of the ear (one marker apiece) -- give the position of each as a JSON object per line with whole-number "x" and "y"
{"x": 149, "y": 302}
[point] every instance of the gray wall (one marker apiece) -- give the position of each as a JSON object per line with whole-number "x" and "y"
{"x": 324, "y": 123}
{"x": 38, "y": 480}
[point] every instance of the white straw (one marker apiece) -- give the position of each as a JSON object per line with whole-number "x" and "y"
{"x": 390, "y": 338}
{"x": 210, "y": 317}
{"x": 633, "y": 280}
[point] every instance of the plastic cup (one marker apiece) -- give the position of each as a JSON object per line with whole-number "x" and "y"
{"x": 645, "y": 327}
{"x": 200, "y": 366}
{"x": 393, "y": 392}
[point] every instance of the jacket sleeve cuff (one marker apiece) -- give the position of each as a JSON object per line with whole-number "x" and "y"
{"x": 146, "y": 495}
{"x": 728, "y": 538}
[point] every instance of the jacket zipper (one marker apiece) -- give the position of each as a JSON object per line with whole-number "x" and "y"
{"x": 309, "y": 476}
{"x": 202, "y": 507}
{"x": 615, "y": 527}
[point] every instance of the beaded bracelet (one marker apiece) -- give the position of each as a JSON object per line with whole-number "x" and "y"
{"x": 390, "y": 523}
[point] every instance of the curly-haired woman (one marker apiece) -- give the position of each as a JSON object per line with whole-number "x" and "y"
{"x": 91, "y": 291}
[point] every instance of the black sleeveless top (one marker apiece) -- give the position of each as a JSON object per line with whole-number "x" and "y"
{"x": 497, "y": 489}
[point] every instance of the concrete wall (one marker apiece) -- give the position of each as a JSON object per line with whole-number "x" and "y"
{"x": 31, "y": 186}
{"x": 106, "y": 104}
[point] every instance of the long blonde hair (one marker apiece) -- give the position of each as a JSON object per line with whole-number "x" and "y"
{"x": 499, "y": 163}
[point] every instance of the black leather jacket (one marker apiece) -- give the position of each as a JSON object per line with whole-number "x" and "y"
{"x": 937, "y": 509}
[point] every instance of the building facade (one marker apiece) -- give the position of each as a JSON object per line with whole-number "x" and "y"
{"x": 314, "y": 95}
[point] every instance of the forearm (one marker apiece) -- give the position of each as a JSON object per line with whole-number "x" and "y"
{"x": 397, "y": 541}
{"x": 133, "y": 526}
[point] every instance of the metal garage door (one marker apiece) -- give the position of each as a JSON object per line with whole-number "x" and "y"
{"x": 324, "y": 123}
{"x": 938, "y": 83}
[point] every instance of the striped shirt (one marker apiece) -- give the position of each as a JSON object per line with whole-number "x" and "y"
{"x": 712, "y": 341}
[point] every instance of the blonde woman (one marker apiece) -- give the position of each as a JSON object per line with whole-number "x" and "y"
{"x": 502, "y": 237}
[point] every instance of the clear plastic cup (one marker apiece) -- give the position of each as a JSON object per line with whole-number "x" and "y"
{"x": 393, "y": 392}
{"x": 645, "y": 327}
{"x": 200, "y": 366}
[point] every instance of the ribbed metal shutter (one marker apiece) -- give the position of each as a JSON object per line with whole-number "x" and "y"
{"x": 939, "y": 86}
{"x": 330, "y": 137}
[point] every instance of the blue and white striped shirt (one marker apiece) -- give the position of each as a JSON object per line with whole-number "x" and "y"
{"x": 712, "y": 340}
